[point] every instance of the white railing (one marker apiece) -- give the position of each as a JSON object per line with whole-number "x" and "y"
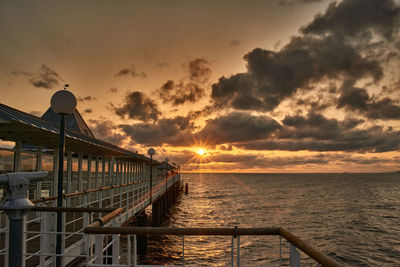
{"x": 40, "y": 226}
{"x": 130, "y": 256}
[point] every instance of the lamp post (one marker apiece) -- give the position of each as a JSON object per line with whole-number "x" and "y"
{"x": 151, "y": 152}
{"x": 173, "y": 164}
{"x": 63, "y": 102}
{"x": 166, "y": 174}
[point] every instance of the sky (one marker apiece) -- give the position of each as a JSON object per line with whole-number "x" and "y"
{"x": 217, "y": 86}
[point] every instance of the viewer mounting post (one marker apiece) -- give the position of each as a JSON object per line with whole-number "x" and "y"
{"x": 16, "y": 206}
{"x": 63, "y": 103}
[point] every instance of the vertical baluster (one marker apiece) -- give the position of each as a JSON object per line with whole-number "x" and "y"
{"x": 280, "y": 250}
{"x": 232, "y": 251}
{"x": 238, "y": 251}
{"x": 98, "y": 239}
{"x": 129, "y": 250}
{"x": 115, "y": 246}
{"x": 183, "y": 251}
{"x": 134, "y": 251}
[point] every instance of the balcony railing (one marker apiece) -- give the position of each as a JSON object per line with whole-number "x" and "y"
{"x": 105, "y": 235}
{"x": 82, "y": 209}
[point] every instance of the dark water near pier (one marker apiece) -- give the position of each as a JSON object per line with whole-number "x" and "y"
{"x": 354, "y": 218}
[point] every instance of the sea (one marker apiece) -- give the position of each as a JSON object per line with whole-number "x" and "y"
{"x": 352, "y": 217}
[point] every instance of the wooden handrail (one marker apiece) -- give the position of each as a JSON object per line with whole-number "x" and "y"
{"x": 180, "y": 231}
{"x": 318, "y": 256}
{"x": 106, "y": 219}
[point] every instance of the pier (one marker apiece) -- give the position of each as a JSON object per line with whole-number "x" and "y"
{"x": 99, "y": 178}
{"x": 105, "y": 189}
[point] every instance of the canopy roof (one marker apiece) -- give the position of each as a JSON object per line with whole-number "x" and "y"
{"x": 16, "y": 125}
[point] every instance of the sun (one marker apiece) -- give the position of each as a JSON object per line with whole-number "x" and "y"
{"x": 201, "y": 151}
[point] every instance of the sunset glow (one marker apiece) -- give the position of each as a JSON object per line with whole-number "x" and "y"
{"x": 201, "y": 151}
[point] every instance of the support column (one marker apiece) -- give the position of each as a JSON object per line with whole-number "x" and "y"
{"x": 39, "y": 168}
{"x": 156, "y": 213}
{"x": 96, "y": 181}
{"x": 89, "y": 173}
{"x": 69, "y": 176}
{"x": 103, "y": 171}
{"x": 142, "y": 239}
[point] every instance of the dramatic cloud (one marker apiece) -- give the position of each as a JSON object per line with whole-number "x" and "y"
{"x": 190, "y": 88}
{"x": 337, "y": 45}
{"x": 237, "y": 127}
{"x": 359, "y": 18}
{"x": 106, "y": 130}
{"x": 46, "y": 77}
{"x": 275, "y": 76}
{"x": 358, "y": 99}
{"x": 138, "y": 106}
{"x": 87, "y": 98}
{"x": 88, "y": 110}
{"x": 176, "y": 132}
{"x": 317, "y": 133}
{"x": 113, "y": 90}
{"x": 178, "y": 94}
{"x": 131, "y": 71}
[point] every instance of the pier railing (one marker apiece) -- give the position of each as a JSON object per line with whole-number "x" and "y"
{"x": 81, "y": 209}
{"x": 105, "y": 233}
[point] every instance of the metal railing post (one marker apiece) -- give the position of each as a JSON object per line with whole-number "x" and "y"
{"x": 134, "y": 251}
{"x": 183, "y": 250}
{"x": 238, "y": 251}
{"x": 295, "y": 259}
{"x": 232, "y": 251}
{"x": 98, "y": 255}
{"x": 115, "y": 246}
{"x": 128, "y": 237}
{"x": 280, "y": 251}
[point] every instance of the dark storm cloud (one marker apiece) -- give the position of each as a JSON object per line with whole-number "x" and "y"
{"x": 327, "y": 50}
{"x": 87, "y": 98}
{"x": 178, "y": 94}
{"x": 131, "y": 71}
{"x": 237, "y": 127}
{"x": 46, "y": 77}
{"x": 189, "y": 89}
{"x": 113, "y": 90}
{"x": 88, "y": 110}
{"x": 176, "y": 131}
{"x": 318, "y": 133}
{"x": 352, "y": 18}
{"x": 138, "y": 106}
{"x": 106, "y": 130}
{"x": 275, "y": 76}
{"x": 358, "y": 99}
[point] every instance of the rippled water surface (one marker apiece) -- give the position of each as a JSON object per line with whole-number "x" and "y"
{"x": 354, "y": 218}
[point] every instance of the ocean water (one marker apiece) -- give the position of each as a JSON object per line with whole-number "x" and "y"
{"x": 355, "y": 218}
